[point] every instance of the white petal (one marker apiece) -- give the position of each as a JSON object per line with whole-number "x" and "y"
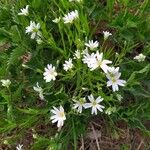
{"x": 33, "y": 35}
{"x": 95, "y": 110}
{"x": 55, "y": 120}
{"x": 91, "y": 98}
{"x": 61, "y": 109}
{"x": 115, "y": 87}
{"x": 99, "y": 99}
{"x": 87, "y": 105}
{"x": 56, "y": 109}
{"x": 99, "y": 56}
{"x": 107, "y": 61}
{"x": 59, "y": 124}
{"x": 121, "y": 82}
{"x": 104, "y": 67}
{"x": 99, "y": 107}
{"x": 109, "y": 83}
{"x": 80, "y": 109}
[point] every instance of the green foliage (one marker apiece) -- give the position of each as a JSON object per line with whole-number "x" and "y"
{"x": 22, "y": 61}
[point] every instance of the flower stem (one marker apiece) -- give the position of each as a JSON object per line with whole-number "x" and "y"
{"x": 9, "y": 105}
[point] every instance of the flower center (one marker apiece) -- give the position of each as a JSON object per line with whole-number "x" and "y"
{"x": 111, "y": 75}
{"x": 51, "y": 73}
{"x": 82, "y": 101}
{"x": 113, "y": 80}
{"x": 61, "y": 114}
{"x": 94, "y": 103}
{"x": 99, "y": 63}
{"x": 35, "y": 30}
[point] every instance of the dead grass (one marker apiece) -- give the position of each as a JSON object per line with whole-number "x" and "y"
{"x": 100, "y": 137}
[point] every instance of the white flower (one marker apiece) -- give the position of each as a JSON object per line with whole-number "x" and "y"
{"x": 110, "y": 110}
{"x": 92, "y": 45}
{"x": 112, "y": 70}
{"x": 24, "y": 11}
{"x": 113, "y": 76}
{"x": 6, "y": 83}
{"x": 77, "y": 54}
{"x": 38, "y": 89}
{"x": 85, "y": 51}
{"x": 58, "y": 116}
{"x": 140, "y": 57}
{"x": 71, "y": 16}
{"x": 96, "y": 60}
{"x": 19, "y": 147}
{"x": 79, "y": 105}
{"x": 56, "y": 20}
{"x": 94, "y": 104}
{"x": 50, "y": 73}
{"x": 119, "y": 97}
{"x": 33, "y": 29}
{"x": 68, "y": 65}
{"x": 106, "y": 34}
{"x": 39, "y": 40}
{"x": 89, "y": 59}
{"x": 100, "y": 62}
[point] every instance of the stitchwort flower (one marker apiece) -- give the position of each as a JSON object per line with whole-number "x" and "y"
{"x": 58, "y": 116}
{"x": 68, "y": 65}
{"x": 38, "y": 89}
{"x": 50, "y": 73}
{"x": 94, "y": 61}
{"x": 6, "y": 83}
{"x": 85, "y": 51}
{"x": 88, "y": 59}
{"x": 140, "y": 57}
{"x": 94, "y": 104}
{"x": 19, "y": 147}
{"x": 39, "y": 40}
{"x": 110, "y": 110}
{"x": 70, "y": 17}
{"x": 92, "y": 45}
{"x": 33, "y": 29}
{"x": 100, "y": 62}
{"x": 56, "y": 20}
{"x": 24, "y": 11}
{"x": 106, "y": 34}
{"x": 77, "y": 54}
{"x": 79, "y": 105}
{"x": 113, "y": 76}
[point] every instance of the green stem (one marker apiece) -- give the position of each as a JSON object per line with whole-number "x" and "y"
{"x": 62, "y": 38}
{"x": 74, "y": 135}
{"x": 78, "y": 78}
{"x": 9, "y": 105}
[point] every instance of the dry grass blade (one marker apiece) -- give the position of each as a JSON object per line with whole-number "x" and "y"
{"x": 97, "y": 143}
{"x": 82, "y": 144}
{"x": 140, "y": 144}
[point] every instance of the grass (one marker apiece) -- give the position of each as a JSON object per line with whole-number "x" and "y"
{"x": 25, "y": 118}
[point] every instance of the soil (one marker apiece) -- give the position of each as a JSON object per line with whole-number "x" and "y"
{"x": 100, "y": 137}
